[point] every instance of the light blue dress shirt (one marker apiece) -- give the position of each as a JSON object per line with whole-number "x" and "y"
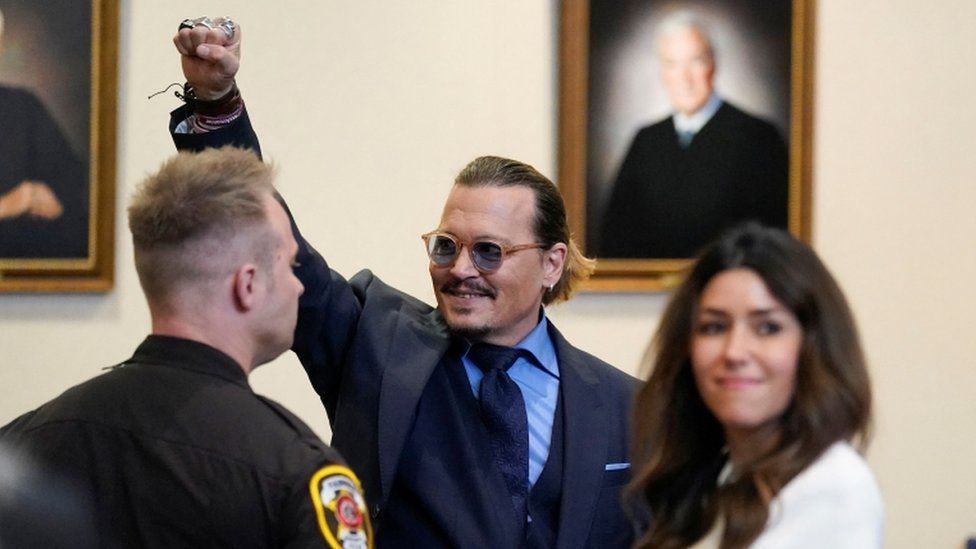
{"x": 540, "y": 390}
{"x": 694, "y": 123}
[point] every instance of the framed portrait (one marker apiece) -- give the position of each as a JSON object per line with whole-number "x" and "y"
{"x": 57, "y": 145}
{"x": 677, "y": 120}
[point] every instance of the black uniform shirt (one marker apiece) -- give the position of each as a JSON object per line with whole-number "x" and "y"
{"x": 176, "y": 450}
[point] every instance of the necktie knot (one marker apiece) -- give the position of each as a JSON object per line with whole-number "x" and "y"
{"x": 488, "y": 357}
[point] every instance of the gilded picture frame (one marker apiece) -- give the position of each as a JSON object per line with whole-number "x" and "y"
{"x": 607, "y": 67}
{"x": 58, "y": 77}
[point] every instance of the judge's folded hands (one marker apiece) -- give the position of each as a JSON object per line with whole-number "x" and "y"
{"x": 32, "y": 198}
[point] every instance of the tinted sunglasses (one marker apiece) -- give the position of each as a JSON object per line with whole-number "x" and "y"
{"x": 486, "y": 256}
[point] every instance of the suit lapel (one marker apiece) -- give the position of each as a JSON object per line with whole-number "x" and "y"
{"x": 585, "y": 443}
{"x": 416, "y": 348}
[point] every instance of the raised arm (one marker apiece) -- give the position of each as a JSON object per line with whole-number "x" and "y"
{"x": 210, "y": 54}
{"x": 214, "y": 116}
{"x": 214, "y": 113}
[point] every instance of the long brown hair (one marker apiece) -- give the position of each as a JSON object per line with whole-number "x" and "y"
{"x": 678, "y": 443}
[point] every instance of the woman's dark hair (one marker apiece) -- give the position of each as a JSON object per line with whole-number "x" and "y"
{"x": 678, "y": 443}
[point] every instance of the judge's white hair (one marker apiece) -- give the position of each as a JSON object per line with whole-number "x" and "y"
{"x": 683, "y": 21}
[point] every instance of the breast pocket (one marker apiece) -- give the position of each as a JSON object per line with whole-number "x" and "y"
{"x": 611, "y": 525}
{"x": 616, "y": 474}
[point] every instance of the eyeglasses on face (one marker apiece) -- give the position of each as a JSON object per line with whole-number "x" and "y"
{"x": 486, "y": 255}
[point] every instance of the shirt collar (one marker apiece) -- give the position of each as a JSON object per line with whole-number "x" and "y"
{"x": 539, "y": 344}
{"x": 695, "y": 122}
{"x": 189, "y": 355}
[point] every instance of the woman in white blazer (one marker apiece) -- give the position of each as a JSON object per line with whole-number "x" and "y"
{"x": 742, "y": 434}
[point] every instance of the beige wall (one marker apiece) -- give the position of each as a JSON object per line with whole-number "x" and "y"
{"x": 371, "y": 107}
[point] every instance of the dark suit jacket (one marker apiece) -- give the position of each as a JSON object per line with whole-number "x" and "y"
{"x": 369, "y": 350}
{"x": 669, "y": 201}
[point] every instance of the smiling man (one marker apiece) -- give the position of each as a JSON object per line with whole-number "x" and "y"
{"x": 475, "y": 423}
{"x": 701, "y": 170}
{"x": 502, "y": 307}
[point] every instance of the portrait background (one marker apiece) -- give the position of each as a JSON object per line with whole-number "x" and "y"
{"x": 45, "y": 47}
{"x": 752, "y": 60}
{"x": 64, "y": 53}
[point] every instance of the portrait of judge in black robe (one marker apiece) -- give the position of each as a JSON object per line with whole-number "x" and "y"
{"x": 44, "y": 192}
{"x": 703, "y": 168}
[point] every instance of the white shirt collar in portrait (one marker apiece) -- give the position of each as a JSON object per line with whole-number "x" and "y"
{"x": 692, "y": 124}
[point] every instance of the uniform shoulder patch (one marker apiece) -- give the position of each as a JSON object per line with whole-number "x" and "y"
{"x": 343, "y": 518}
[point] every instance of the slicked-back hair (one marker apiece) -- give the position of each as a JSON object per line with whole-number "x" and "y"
{"x": 198, "y": 216}
{"x": 678, "y": 443}
{"x": 551, "y": 225}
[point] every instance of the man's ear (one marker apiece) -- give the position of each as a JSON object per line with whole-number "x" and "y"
{"x": 245, "y": 287}
{"x": 553, "y": 260}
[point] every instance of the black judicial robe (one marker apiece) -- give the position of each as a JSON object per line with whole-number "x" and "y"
{"x": 669, "y": 201}
{"x": 32, "y": 147}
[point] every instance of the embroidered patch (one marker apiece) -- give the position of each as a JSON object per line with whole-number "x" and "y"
{"x": 338, "y": 500}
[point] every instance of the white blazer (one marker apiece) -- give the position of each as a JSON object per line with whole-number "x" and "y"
{"x": 835, "y": 502}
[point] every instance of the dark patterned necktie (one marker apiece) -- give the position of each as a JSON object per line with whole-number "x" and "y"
{"x": 503, "y": 413}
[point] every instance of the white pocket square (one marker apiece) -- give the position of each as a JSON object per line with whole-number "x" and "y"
{"x": 616, "y": 466}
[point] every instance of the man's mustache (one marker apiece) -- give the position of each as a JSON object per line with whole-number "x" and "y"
{"x": 468, "y": 287}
